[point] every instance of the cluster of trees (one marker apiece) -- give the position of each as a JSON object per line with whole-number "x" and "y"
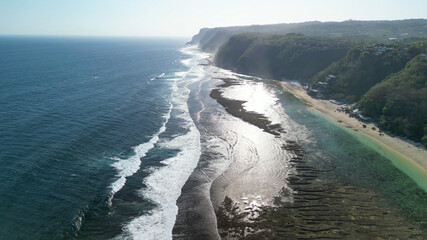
{"x": 363, "y": 67}
{"x": 399, "y": 103}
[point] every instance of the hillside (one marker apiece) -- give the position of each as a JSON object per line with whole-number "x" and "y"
{"x": 363, "y": 67}
{"x": 293, "y": 56}
{"x": 399, "y": 103}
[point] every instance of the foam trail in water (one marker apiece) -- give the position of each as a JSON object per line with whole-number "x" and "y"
{"x": 164, "y": 184}
{"x": 164, "y": 187}
{"x": 160, "y": 76}
{"x": 128, "y": 167}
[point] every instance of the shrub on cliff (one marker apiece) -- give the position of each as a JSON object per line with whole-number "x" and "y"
{"x": 399, "y": 103}
{"x": 292, "y": 56}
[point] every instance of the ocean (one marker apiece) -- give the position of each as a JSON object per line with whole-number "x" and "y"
{"x": 119, "y": 138}
{"x": 94, "y": 134}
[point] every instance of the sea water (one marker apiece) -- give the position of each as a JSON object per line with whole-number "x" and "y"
{"x": 98, "y": 137}
{"x": 94, "y": 134}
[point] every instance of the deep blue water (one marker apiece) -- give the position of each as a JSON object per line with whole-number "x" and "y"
{"x": 69, "y": 109}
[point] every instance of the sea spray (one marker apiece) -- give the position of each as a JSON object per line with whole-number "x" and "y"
{"x": 128, "y": 167}
{"x": 164, "y": 187}
{"x": 163, "y": 184}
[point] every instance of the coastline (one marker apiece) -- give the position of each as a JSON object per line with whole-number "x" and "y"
{"x": 407, "y": 157}
{"x": 318, "y": 209}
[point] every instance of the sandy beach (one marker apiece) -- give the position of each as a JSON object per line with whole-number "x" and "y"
{"x": 414, "y": 155}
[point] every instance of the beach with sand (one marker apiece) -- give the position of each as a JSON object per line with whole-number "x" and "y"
{"x": 409, "y": 157}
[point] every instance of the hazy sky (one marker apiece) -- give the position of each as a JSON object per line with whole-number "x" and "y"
{"x": 185, "y": 17}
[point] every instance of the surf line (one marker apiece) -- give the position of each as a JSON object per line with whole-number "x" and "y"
{"x": 129, "y": 166}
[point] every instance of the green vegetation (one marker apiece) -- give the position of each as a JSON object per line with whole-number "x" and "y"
{"x": 361, "y": 69}
{"x": 293, "y": 56}
{"x": 395, "y": 96}
{"x": 399, "y": 103}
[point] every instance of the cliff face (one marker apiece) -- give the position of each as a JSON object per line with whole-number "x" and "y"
{"x": 229, "y": 54}
{"x": 209, "y": 40}
{"x": 292, "y": 56}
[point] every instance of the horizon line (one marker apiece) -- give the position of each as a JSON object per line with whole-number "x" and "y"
{"x": 188, "y": 36}
{"x": 90, "y": 36}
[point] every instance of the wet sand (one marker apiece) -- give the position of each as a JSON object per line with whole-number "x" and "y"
{"x": 215, "y": 203}
{"x": 238, "y": 160}
{"x": 258, "y": 167}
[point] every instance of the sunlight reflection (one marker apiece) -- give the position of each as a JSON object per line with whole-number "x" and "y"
{"x": 258, "y": 98}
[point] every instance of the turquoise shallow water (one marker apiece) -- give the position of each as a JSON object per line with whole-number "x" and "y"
{"x": 353, "y": 160}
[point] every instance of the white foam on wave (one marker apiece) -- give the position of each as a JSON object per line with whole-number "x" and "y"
{"x": 181, "y": 74}
{"x": 164, "y": 184}
{"x": 129, "y": 166}
{"x": 164, "y": 187}
{"x": 186, "y": 62}
{"x": 154, "y": 78}
{"x": 197, "y": 56}
{"x": 161, "y": 75}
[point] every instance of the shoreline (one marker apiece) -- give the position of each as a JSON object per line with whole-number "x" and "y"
{"x": 319, "y": 209}
{"x": 410, "y": 159}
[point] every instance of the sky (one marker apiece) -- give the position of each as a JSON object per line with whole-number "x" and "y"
{"x": 184, "y": 18}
